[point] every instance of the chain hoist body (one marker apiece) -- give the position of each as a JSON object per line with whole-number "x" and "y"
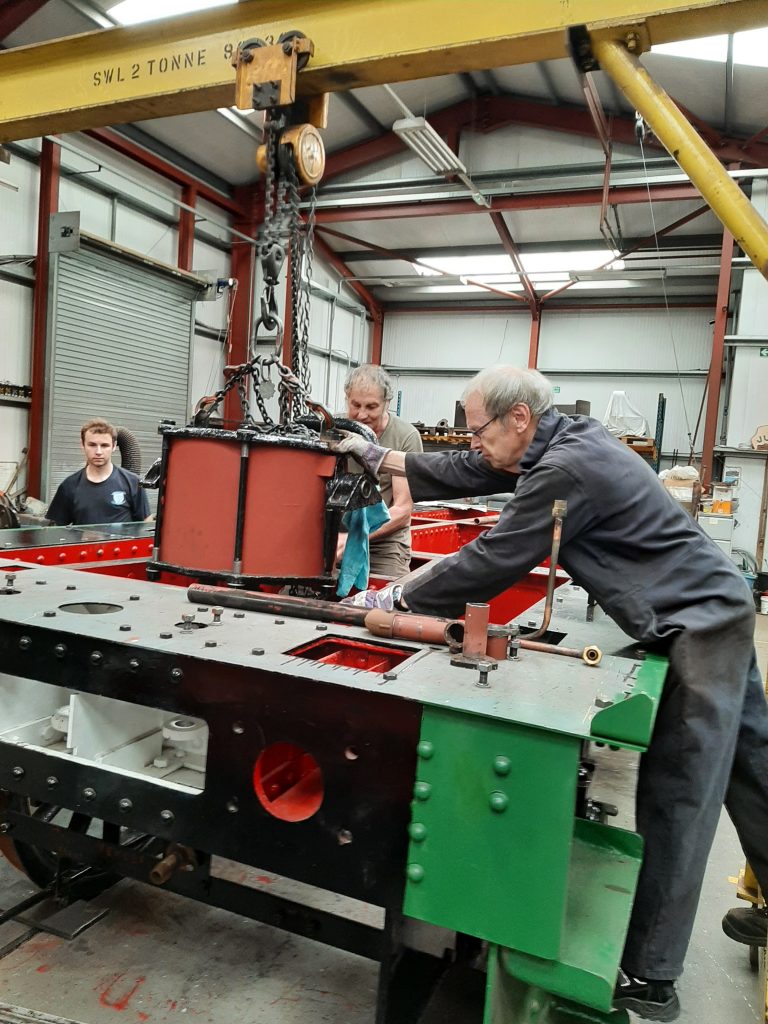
{"x": 292, "y": 156}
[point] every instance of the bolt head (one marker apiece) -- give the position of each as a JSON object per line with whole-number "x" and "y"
{"x": 167, "y": 816}
{"x": 60, "y": 650}
{"x": 89, "y": 793}
{"x": 17, "y": 772}
{"x": 177, "y": 673}
{"x": 25, "y": 643}
{"x": 125, "y": 805}
{"x": 52, "y": 782}
{"x": 96, "y": 657}
{"x": 257, "y": 650}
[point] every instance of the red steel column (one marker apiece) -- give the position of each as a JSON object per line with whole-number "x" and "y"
{"x": 533, "y": 346}
{"x": 48, "y": 203}
{"x": 714, "y": 380}
{"x": 377, "y": 336}
{"x": 187, "y": 228}
{"x": 243, "y": 266}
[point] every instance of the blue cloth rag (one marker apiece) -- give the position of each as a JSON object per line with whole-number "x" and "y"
{"x": 355, "y": 562}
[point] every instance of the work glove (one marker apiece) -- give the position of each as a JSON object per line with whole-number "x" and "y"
{"x": 386, "y": 599}
{"x": 369, "y": 455}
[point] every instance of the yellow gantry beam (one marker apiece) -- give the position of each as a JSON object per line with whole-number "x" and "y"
{"x": 182, "y": 65}
{"x": 686, "y": 146}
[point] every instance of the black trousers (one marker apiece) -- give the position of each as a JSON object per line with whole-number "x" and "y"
{"x": 709, "y": 747}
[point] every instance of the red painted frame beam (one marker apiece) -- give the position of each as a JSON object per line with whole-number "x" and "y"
{"x": 715, "y": 377}
{"x": 13, "y": 14}
{"x": 617, "y": 196}
{"x": 488, "y": 113}
{"x": 48, "y": 203}
{"x": 187, "y": 228}
{"x": 155, "y": 163}
{"x": 242, "y": 268}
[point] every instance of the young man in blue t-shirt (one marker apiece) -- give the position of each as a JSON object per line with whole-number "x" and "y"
{"x": 99, "y": 492}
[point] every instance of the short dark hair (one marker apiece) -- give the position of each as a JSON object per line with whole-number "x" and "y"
{"x": 97, "y": 427}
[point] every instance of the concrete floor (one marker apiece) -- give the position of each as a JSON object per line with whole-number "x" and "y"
{"x": 160, "y": 959}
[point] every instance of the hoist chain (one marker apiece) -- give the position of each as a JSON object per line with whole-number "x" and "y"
{"x": 283, "y": 226}
{"x": 302, "y": 251}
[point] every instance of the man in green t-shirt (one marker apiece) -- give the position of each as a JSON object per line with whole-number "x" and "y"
{"x": 369, "y": 392}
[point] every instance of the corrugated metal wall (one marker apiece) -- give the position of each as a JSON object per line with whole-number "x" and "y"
{"x": 119, "y": 348}
{"x": 601, "y": 351}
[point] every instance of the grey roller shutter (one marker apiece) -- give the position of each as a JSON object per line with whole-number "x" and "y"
{"x": 119, "y": 346}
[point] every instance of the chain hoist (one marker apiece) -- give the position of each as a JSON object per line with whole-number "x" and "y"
{"x": 292, "y": 155}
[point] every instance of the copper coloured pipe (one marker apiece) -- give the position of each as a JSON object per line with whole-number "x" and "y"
{"x": 475, "y": 630}
{"x": 559, "y": 510}
{"x": 277, "y": 604}
{"x": 406, "y": 626}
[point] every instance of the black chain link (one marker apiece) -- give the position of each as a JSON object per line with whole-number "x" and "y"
{"x": 282, "y": 224}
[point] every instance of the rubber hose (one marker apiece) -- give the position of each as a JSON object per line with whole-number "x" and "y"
{"x": 130, "y": 452}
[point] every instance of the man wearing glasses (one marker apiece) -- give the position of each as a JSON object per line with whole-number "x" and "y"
{"x": 651, "y": 568}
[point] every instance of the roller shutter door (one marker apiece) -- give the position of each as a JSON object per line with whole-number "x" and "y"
{"x": 119, "y": 347}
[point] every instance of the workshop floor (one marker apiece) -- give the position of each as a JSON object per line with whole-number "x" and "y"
{"x": 160, "y": 959}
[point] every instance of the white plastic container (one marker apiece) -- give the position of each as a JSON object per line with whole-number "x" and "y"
{"x": 764, "y": 604}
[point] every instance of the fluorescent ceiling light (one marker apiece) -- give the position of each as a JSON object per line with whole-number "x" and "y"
{"x": 540, "y": 265}
{"x": 749, "y": 48}
{"x": 600, "y": 285}
{"x": 132, "y": 12}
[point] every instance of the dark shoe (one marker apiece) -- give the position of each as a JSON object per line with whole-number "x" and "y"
{"x": 747, "y": 924}
{"x": 652, "y": 1000}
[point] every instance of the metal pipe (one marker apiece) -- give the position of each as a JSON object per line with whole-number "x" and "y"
{"x": 277, "y": 604}
{"x": 475, "y": 630}
{"x": 559, "y": 511}
{"x": 427, "y": 629}
{"x": 671, "y": 128}
{"x": 590, "y": 655}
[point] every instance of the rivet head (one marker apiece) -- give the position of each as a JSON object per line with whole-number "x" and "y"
{"x": 167, "y": 816}
{"x": 176, "y": 673}
{"x": 210, "y": 643}
{"x": 17, "y": 772}
{"x": 417, "y": 830}
{"x": 415, "y": 872}
{"x": 96, "y": 657}
{"x": 233, "y": 806}
{"x": 238, "y": 728}
{"x": 25, "y": 643}
{"x": 166, "y": 636}
{"x": 257, "y": 650}
{"x": 498, "y": 802}
{"x": 425, "y": 749}
{"x": 125, "y": 805}
{"x": 239, "y": 615}
{"x": 422, "y": 790}
{"x": 49, "y": 614}
{"x": 89, "y": 793}
{"x": 51, "y": 782}
{"x": 134, "y": 664}
{"x": 125, "y": 628}
{"x": 501, "y": 765}
{"x": 60, "y": 650}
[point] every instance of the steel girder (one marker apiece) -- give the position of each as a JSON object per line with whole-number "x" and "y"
{"x": 182, "y": 65}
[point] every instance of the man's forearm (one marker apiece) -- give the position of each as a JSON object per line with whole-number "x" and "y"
{"x": 393, "y": 463}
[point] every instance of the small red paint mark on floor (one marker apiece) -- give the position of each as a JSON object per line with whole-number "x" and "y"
{"x": 265, "y": 879}
{"x": 119, "y": 1002}
{"x": 171, "y": 1004}
{"x": 143, "y": 1016}
{"x": 43, "y": 968}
